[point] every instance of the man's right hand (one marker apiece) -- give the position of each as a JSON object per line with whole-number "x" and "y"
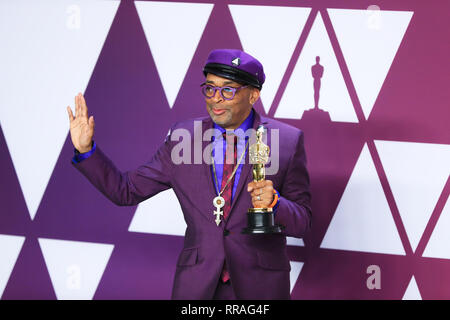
{"x": 81, "y": 127}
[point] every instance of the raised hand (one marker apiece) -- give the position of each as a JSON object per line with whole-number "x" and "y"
{"x": 81, "y": 127}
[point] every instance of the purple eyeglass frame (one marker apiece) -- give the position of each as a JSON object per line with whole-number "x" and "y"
{"x": 234, "y": 90}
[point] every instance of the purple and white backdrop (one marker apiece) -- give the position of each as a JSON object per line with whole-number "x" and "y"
{"x": 377, "y": 142}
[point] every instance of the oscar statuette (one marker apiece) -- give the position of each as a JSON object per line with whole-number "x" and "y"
{"x": 260, "y": 220}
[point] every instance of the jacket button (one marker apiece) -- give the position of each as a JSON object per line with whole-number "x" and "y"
{"x": 226, "y": 232}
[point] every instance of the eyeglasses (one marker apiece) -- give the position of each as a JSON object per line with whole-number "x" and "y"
{"x": 227, "y": 93}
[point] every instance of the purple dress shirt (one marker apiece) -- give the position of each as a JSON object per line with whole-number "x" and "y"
{"x": 219, "y": 160}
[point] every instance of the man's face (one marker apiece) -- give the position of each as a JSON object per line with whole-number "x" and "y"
{"x": 229, "y": 114}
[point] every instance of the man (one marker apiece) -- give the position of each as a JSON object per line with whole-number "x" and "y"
{"x": 217, "y": 261}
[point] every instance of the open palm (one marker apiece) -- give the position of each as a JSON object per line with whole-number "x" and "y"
{"x": 81, "y": 126}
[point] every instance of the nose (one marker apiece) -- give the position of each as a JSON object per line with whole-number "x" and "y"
{"x": 217, "y": 97}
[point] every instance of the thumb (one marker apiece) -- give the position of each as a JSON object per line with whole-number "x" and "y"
{"x": 91, "y": 122}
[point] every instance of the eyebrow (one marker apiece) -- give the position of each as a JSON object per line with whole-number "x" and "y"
{"x": 225, "y": 83}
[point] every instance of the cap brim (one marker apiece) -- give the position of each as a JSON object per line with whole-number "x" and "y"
{"x": 225, "y": 71}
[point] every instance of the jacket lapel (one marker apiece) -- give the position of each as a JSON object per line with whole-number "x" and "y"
{"x": 208, "y": 124}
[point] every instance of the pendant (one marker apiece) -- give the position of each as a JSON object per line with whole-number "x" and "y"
{"x": 218, "y": 202}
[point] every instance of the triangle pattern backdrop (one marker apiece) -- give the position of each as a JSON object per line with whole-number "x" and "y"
{"x": 416, "y": 187}
{"x": 296, "y": 269}
{"x": 439, "y": 243}
{"x": 299, "y": 94}
{"x": 75, "y": 267}
{"x": 161, "y": 214}
{"x": 9, "y": 251}
{"x": 173, "y": 41}
{"x": 63, "y": 31}
{"x": 40, "y": 37}
{"x": 412, "y": 292}
{"x": 378, "y": 34}
{"x": 265, "y": 42}
{"x": 362, "y": 214}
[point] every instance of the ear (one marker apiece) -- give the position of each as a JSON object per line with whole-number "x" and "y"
{"x": 254, "y": 96}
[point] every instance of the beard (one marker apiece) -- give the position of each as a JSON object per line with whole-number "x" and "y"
{"x": 223, "y": 119}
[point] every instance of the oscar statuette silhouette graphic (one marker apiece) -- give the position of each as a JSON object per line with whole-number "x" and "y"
{"x": 260, "y": 220}
{"x": 317, "y": 72}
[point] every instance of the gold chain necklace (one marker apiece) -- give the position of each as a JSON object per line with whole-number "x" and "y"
{"x": 219, "y": 201}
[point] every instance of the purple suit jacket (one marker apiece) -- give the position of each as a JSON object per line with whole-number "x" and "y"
{"x": 258, "y": 264}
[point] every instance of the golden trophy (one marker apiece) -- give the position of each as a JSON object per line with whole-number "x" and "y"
{"x": 260, "y": 220}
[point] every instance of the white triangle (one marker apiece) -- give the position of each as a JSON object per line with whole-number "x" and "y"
{"x": 160, "y": 214}
{"x": 363, "y": 220}
{"x": 299, "y": 93}
{"x": 296, "y": 268}
{"x": 10, "y": 247}
{"x": 291, "y": 241}
{"x": 173, "y": 31}
{"x": 417, "y": 173}
{"x": 272, "y": 42}
{"x": 48, "y": 54}
{"x": 439, "y": 244}
{"x": 412, "y": 292}
{"x": 369, "y": 40}
{"x": 75, "y": 267}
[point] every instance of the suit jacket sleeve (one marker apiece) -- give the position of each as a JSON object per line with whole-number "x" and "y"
{"x": 294, "y": 210}
{"x": 129, "y": 188}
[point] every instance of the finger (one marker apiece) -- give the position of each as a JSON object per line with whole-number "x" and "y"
{"x": 77, "y": 110}
{"x": 80, "y": 108}
{"x": 268, "y": 189}
{"x": 84, "y": 109}
{"x": 265, "y": 190}
{"x": 264, "y": 183}
{"x": 80, "y": 105}
{"x": 260, "y": 203}
{"x": 91, "y": 122}
{"x": 69, "y": 111}
{"x": 259, "y": 199}
{"x": 256, "y": 192}
{"x": 263, "y": 193}
{"x": 269, "y": 183}
{"x": 254, "y": 185}
{"x": 262, "y": 199}
{"x": 260, "y": 184}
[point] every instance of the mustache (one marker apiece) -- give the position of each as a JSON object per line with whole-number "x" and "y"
{"x": 214, "y": 106}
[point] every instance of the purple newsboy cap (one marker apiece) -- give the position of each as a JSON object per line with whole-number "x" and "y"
{"x": 235, "y": 65}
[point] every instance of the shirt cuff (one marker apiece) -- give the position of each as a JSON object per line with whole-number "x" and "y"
{"x": 78, "y": 157}
{"x": 276, "y": 201}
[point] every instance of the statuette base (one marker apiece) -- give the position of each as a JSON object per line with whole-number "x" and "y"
{"x": 261, "y": 221}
